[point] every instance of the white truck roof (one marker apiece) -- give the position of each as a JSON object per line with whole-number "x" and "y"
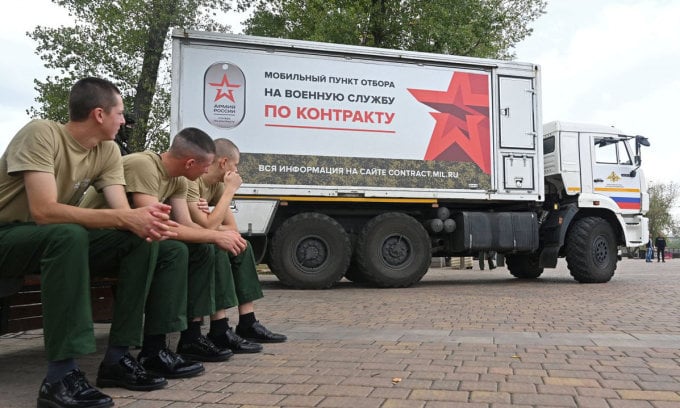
{"x": 556, "y": 126}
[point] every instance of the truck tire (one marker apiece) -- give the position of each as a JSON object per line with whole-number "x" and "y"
{"x": 591, "y": 250}
{"x": 523, "y": 266}
{"x": 393, "y": 250}
{"x": 310, "y": 251}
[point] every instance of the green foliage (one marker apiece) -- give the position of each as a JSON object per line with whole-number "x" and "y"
{"x": 672, "y": 242}
{"x": 662, "y": 198}
{"x": 480, "y": 28}
{"x": 124, "y": 41}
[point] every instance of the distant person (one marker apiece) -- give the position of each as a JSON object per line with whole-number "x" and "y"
{"x": 650, "y": 249}
{"x": 490, "y": 256}
{"x": 660, "y": 244}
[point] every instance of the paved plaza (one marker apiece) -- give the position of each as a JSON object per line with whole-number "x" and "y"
{"x": 458, "y": 338}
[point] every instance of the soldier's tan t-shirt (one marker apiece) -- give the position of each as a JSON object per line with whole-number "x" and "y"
{"x": 144, "y": 173}
{"x": 46, "y": 146}
{"x": 198, "y": 189}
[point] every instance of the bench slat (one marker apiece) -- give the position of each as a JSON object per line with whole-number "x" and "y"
{"x": 23, "y": 310}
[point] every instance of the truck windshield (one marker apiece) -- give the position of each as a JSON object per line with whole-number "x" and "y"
{"x": 612, "y": 151}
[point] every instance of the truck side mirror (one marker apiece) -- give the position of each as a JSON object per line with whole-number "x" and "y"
{"x": 642, "y": 141}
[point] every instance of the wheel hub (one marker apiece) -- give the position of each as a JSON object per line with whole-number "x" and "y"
{"x": 600, "y": 251}
{"x": 396, "y": 250}
{"x": 311, "y": 253}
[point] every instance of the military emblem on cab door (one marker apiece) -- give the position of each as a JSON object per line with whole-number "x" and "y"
{"x": 613, "y": 177}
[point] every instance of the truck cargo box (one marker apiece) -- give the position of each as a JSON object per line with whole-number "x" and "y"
{"x": 315, "y": 119}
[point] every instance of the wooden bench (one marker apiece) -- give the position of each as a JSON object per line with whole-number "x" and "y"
{"x": 21, "y": 307}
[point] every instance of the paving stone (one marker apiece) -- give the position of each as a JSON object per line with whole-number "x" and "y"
{"x": 665, "y": 404}
{"x": 510, "y": 406}
{"x": 401, "y": 403}
{"x": 490, "y": 397}
{"x": 296, "y": 389}
{"x": 140, "y": 403}
{"x": 630, "y": 404}
{"x": 325, "y": 379}
{"x": 591, "y": 402}
{"x": 478, "y": 386}
{"x": 649, "y": 395}
{"x": 445, "y": 385}
{"x": 424, "y": 374}
{"x": 256, "y": 388}
{"x": 208, "y": 397}
{"x": 597, "y": 392}
{"x": 518, "y": 387}
{"x": 390, "y": 393}
{"x": 543, "y": 400}
{"x": 301, "y": 401}
{"x": 439, "y": 395}
{"x": 342, "y": 390}
{"x": 376, "y": 381}
{"x": 169, "y": 394}
{"x": 253, "y": 399}
{"x": 354, "y": 402}
{"x": 572, "y": 382}
{"x": 454, "y": 404}
{"x": 661, "y": 385}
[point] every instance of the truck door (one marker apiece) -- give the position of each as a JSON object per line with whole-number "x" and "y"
{"x": 612, "y": 166}
{"x": 518, "y": 137}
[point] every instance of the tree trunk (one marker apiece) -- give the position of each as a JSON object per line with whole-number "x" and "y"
{"x": 378, "y": 22}
{"x": 164, "y": 13}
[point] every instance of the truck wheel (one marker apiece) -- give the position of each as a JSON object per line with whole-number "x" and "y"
{"x": 523, "y": 266}
{"x": 591, "y": 251}
{"x": 393, "y": 250}
{"x": 310, "y": 251}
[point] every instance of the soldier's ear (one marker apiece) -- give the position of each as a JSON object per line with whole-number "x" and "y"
{"x": 98, "y": 114}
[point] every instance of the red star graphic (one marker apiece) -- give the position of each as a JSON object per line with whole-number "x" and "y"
{"x": 222, "y": 86}
{"x": 462, "y": 131}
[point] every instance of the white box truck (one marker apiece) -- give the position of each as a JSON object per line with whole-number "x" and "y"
{"x": 366, "y": 163}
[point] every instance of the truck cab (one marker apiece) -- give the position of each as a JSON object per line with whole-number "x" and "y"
{"x": 592, "y": 173}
